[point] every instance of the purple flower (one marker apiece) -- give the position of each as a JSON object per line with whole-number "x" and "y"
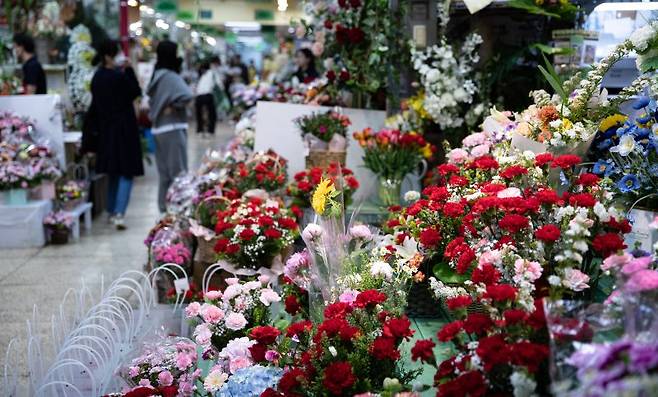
{"x": 643, "y": 357}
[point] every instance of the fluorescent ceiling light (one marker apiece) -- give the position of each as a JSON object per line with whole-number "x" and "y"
{"x": 180, "y": 24}
{"x": 282, "y": 5}
{"x": 242, "y": 25}
{"x": 132, "y": 3}
{"x": 635, "y": 6}
{"x": 211, "y": 41}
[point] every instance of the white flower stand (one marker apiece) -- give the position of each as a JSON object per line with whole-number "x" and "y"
{"x": 75, "y": 213}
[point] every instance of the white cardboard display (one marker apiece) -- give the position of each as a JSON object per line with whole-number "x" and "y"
{"x": 275, "y": 129}
{"x": 641, "y": 232}
{"x": 22, "y": 225}
{"x": 44, "y": 111}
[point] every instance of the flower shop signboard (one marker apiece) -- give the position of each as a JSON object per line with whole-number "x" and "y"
{"x": 276, "y": 129}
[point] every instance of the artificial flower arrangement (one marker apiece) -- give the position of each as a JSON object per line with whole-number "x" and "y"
{"x": 357, "y": 36}
{"x": 263, "y": 170}
{"x": 252, "y": 231}
{"x": 501, "y": 238}
{"x": 166, "y": 367}
{"x": 176, "y": 253}
{"x": 305, "y": 182}
{"x": 630, "y": 158}
{"x": 225, "y": 317}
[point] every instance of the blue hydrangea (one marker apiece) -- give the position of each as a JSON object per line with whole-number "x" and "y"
{"x": 628, "y": 183}
{"x": 250, "y": 381}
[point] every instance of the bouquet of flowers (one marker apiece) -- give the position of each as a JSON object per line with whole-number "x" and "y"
{"x": 71, "y": 191}
{"x": 15, "y": 127}
{"x": 226, "y": 316}
{"x": 58, "y": 220}
{"x": 251, "y": 231}
{"x": 263, "y": 170}
{"x": 15, "y": 175}
{"x": 632, "y": 163}
{"x": 177, "y": 253}
{"x": 168, "y": 367}
{"x": 324, "y": 130}
{"x": 353, "y": 350}
{"x": 81, "y": 71}
{"x": 392, "y": 154}
{"x": 306, "y": 181}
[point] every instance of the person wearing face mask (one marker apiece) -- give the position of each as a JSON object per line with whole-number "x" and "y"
{"x": 110, "y": 128}
{"x": 34, "y": 78}
{"x": 169, "y": 96}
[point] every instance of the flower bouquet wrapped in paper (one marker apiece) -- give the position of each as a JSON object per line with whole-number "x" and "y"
{"x": 324, "y": 136}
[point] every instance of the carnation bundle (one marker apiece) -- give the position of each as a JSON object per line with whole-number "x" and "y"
{"x": 306, "y": 181}
{"x": 263, "y": 170}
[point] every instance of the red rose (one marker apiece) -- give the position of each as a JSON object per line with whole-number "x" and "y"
{"x": 607, "y": 244}
{"x": 486, "y": 274}
{"x": 423, "y": 351}
{"x": 514, "y": 316}
{"x": 292, "y": 305}
{"x": 501, "y": 292}
{"x": 338, "y": 309}
{"x": 459, "y": 302}
{"x": 513, "y": 171}
{"x": 369, "y": 298}
{"x": 291, "y": 380}
{"x": 265, "y": 334}
{"x": 355, "y": 3}
{"x": 430, "y": 237}
{"x": 383, "y": 348}
{"x": 355, "y": 35}
{"x": 141, "y": 392}
{"x": 565, "y": 161}
{"x": 543, "y": 159}
{"x": 257, "y": 352}
{"x": 529, "y": 355}
{"x": 331, "y": 76}
{"x": 477, "y": 323}
{"x": 582, "y": 200}
{"x": 513, "y": 223}
{"x": 299, "y": 328}
{"x": 453, "y": 210}
{"x": 247, "y": 234}
{"x": 272, "y": 234}
{"x": 344, "y": 75}
{"x": 493, "y": 351}
{"x": 398, "y": 328}
{"x": 449, "y": 331}
{"x": 588, "y": 179}
{"x": 548, "y": 233}
{"x": 269, "y": 392}
{"x": 338, "y": 378}
{"x": 328, "y": 25}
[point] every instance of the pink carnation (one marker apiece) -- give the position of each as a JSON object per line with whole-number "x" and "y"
{"x": 211, "y": 313}
{"x": 636, "y": 265}
{"x": 616, "y": 261}
{"x": 165, "y": 378}
{"x": 575, "y": 280}
{"x": 193, "y": 309}
{"x": 643, "y": 280}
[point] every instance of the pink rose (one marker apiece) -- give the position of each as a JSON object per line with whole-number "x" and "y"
{"x": 237, "y": 363}
{"x": 145, "y": 383}
{"x": 211, "y": 313}
{"x": 235, "y": 321}
{"x": 165, "y": 378}
{"x": 193, "y": 309}
{"x": 267, "y": 296}
{"x": 575, "y": 280}
{"x": 212, "y": 295}
{"x": 616, "y": 261}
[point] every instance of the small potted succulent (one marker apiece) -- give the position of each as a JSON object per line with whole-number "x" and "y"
{"x": 58, "y": 225}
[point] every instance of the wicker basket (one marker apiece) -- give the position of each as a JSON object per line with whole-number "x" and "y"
{"x": 205, "y": 250}
{"x": 324, "y": 158}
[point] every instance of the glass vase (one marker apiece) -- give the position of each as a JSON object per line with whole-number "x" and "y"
{"x": 389, "y": 191}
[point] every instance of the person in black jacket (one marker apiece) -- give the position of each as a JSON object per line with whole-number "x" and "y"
{"x": 111, "y": 119}
{"x": 34, "y": 78}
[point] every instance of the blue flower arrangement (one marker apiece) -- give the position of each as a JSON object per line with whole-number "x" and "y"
{"x": 629, "y": 147}
{"x": 250, "y": 381}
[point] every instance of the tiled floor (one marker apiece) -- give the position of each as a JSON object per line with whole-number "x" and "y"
{"x": 41, "y": 276}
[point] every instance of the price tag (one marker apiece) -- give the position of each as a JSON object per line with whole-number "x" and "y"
{"x": 181, "y": 285}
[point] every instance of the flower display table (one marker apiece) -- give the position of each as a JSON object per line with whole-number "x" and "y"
{"x": 21, "y": 225}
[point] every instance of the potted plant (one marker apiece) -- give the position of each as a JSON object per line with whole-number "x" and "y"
{"x": 58, "y": 224}
{"x": 324, "y": 138}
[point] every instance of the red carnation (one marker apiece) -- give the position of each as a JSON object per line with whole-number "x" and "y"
{"x": 269, "y": 392}
{"x": 369, "y": 298}
{"x": 582, "y": 200}
{"x": 344, "y": 75}
{"x": 493, "y": 351}
{"x": 537, "y": 319}
{"x": 607, "y": 244}
{"x": 423, "y": 351}
{"x": 445, "y": 169}
{"x": 513, "y": 223}
{"x": 291, "y": 380}
{"x": 247, "y": 234}
{"x": 292, "y": 305}
{"x": 257, "y": 352}
{"x": 221, "y": 244}
{"x": 398, "y": 328}
{"x": 232, "y": 249}
{"x": 491, "y": 188}
{"x": 486, "y": 274}
{"x": 453, "y": 210}
{"x": 470, "y": 384}
{"x": 446, "y": 368}
{"x": 338, "y": 378}
{"x": 514, "y": 316}
{"x": 272, "y": 234}
{"x": 513, "y": 171}
{"x": 565, "y": 161}
{"x": 141, "y": 392}
{"x": 622, "y": 226}
{"x": 465, "y": 260}
{"x": 338, "y": 309}
{"x": 501, "y": 292}
{"x": 459, "y": 302}
{"x": 485, "y": 163}
{"x": 383, "y": 348}
{"x": 430, "y": 237}
{"x": 457, "y": 180}
{"x": 529, "y": 355}
{"x": 547, "y": 196}
{"x": 288, "y": 223}
{"x": 299, "y": 328}
{"x": 543, "y": 159}
{"x": 477, "y": 323}
{"x": 265, "y": 334}
{"x": 588, "y": 179}
{"x": 265, "y": 221}
{"x": 449, "y": 331}
{"x": 548, "y": 233}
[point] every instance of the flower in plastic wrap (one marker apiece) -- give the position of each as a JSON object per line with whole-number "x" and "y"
{"x": 250, "y": 382}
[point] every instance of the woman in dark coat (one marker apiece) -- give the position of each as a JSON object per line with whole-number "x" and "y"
{"x": 111, "y": 117}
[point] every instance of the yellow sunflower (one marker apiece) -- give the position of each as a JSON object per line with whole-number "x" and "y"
{"x": 612, "y": 121}
{"x": 323, "y": 192}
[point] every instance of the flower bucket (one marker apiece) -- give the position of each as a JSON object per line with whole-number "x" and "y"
{"x": 16, "y": 197}
{"x": 45, "y": 191}
{"x": 59, "y": 236}
{"x": 389, "y": 191}
{"x": 324, "y": 158}
{"x": 641, "y": 233}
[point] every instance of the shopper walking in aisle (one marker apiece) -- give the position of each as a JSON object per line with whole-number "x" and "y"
{"x": 305, "y": 61}
{"x": 204, "y": 102}
{"x": 111, "y": 127}
{"x": 168, "y": 98}
{"x": 34, "y": 78}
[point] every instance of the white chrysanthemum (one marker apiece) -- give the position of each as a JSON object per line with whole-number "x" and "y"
{"x": 522, "y": 384}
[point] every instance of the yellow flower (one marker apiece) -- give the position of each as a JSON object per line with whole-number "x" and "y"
{"x": 321, "y": 195}
{"x": 426, "y": 151}
{"x": 566, "y": 124}
{"x": 539, "y": 2}
{"x": 611, "y": 121}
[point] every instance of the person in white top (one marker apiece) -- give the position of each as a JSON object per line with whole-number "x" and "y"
{"x": 205, "y": 101}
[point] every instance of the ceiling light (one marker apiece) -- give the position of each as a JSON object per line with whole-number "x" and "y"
{"x": 211, "y": 41}
{"x": 242, "y": 25}
{"x": 133, "y": 3}
{"x": 282, "y": 5}
{"x": 180, "y": 24}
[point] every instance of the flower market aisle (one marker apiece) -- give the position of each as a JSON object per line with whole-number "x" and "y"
{"x": 42, "y": 276}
